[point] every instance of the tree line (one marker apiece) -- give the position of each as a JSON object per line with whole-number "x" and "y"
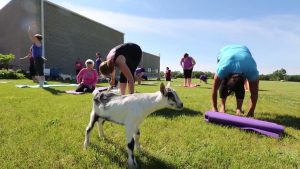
{"x": 280, "y": 75}
{"x": 277, "y": 75}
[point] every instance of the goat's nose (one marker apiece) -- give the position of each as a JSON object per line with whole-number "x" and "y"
{"x": 181, "y": 104}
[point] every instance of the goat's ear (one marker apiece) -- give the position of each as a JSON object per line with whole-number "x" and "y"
{"x": 162, "y": 89}
{"x": 97, "y": 98}
{"x": 168, "y": 85}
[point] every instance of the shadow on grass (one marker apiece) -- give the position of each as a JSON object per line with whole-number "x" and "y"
{"x": 151, "y": 162}
{"x": 287, "y": 135}
{"x": 202, "y": 83}
{"x": 250, "y": 131}
{"x": 53, "y": 91}
{"x": 153, "y": 80}
{"x": 206, "y": 87}
{"x": 286, "y": 120}
{"x": 170, "y": 113}
{"x": 114, "y": 158}
{"x": 148, "y": 84}
{"x": 263, "y": 90}
{"x": 154, "y": 162}
{"x": 260, "y": 135}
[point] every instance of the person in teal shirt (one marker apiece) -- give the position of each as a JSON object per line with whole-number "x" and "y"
{"x": 235, "y": 65}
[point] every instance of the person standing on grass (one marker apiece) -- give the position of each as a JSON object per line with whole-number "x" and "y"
{"x": 235, "y": 65}
{"x": 126, "y": 57}
{"x": 187, "y": 63}
{"x": 78, "y": 65}
{"x": 37, "y": 52}
{"x": 168, "y": 74}
{"x": 87, "y": 77}
{"x": 98, "y": 61}
{"x": 32, "y": 70}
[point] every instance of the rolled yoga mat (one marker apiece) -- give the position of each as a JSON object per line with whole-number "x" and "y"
{"x": 260, "y": 126}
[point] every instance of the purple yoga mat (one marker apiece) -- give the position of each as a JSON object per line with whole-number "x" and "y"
{"x": 96, "y": 90}
{"x": 263, "y": 127}
{"x": 73, "y": 92}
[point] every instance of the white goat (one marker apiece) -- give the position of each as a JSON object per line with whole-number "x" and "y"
{"x": 130, "y": 111}
{"x": 65, "y": 76}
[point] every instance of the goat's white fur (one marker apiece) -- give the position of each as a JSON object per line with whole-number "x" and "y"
{"x": 65, "y": 76}
{"x": 130, "y": 110}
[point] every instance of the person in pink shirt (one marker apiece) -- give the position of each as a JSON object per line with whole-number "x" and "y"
{"x": 87, "y": 77}
{"x": 187, "y": 63}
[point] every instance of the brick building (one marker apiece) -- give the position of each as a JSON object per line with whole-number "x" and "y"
{"x": 67, "y": 35}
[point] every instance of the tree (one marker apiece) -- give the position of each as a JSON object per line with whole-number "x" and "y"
{"x": 177, "y": 74}
{"x": 162, "y": 74}
{"x": 279, "y": 75}
{"x": 5, "y": 59}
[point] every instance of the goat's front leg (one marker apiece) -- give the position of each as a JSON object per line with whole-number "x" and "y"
{"x": 130, "y": 146}
{"x": 93, "y": 119}
{"x": 136, "y": 140}
{"x": 100, "y": 127}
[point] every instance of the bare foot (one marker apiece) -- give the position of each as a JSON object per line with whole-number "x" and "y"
{"x": 222, "y": 109}
{"x": 239, "y": 112}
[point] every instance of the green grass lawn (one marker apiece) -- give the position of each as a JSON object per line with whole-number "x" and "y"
{"x": 44, "y": 128}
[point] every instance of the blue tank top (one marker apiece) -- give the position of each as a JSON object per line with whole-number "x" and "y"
{"x": 236, "y": 59}
{"x": 37, "y": 51}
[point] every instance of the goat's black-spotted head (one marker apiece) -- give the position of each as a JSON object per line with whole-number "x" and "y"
{"x": 173, "y": 99}
{"x": 103, "y": 98}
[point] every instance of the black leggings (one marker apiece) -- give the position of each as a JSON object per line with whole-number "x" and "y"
{"x": 39, "y": 65}
{"x": 239, "y": 91}
{"x": 85, "y": 88}
{"x": 133, "y": 56}
{"x": 187, "y": 73}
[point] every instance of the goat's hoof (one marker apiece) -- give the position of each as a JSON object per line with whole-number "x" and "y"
{"x": 85, "y": 144}
{"x": 132, "y": 164}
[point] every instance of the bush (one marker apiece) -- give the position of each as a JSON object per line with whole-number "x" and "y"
{"x": 11, "y": 74}
{"x": 294, "y": 78}
{"x": 177, "y": 74}
{"x": 264, "y": 77}
{"x": 5, "y": 59}
{"x": 196, "y": 74}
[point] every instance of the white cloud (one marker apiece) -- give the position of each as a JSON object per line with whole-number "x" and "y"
{"x": 273, "y": 40}
{"x": 267, "y": 27}
{"x": 3, "y": 3}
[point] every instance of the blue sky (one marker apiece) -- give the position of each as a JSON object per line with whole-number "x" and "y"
{"x": 270, "y": 28}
